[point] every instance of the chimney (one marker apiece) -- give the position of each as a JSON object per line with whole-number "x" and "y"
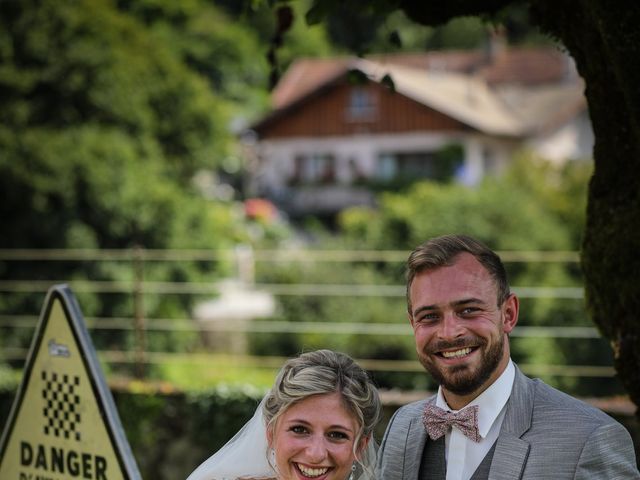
{"x": 496, "y": 44}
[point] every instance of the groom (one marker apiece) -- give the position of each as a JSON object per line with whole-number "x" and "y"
{"x": 487, "y": 421}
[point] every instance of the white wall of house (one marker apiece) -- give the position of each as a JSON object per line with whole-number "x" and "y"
{"x": 360, "y": 154}
{"x": 571, "y": 141}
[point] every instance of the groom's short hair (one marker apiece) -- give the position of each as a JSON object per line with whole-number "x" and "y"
{"x": 442, "y": 251}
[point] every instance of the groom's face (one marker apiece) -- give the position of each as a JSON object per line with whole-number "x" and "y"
{"x": 459, "y": 328}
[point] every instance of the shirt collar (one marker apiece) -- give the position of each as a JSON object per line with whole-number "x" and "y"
{"x": 490, "y": 402}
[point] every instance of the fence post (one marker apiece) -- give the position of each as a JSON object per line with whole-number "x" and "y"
{"x": 245, "y": 264}
{"x": 138, "y": 312}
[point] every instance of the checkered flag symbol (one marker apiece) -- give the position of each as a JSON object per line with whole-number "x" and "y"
{"x": 61, "y": 405}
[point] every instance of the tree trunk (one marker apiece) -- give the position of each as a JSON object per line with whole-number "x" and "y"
{"x": 604, "y": 39}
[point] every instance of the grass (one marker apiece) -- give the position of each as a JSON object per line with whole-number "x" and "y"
{"x": 197, "y": 372}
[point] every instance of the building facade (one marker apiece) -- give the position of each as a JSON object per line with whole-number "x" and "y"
{"x": 342, "y": 129}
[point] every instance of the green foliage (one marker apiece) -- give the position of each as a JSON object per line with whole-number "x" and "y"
{"x": 561, "y": 188}
{"x": 199, "y": 372}
{"x": 9, "y": 380}
{"x": 299, "y": 40}
{"x": 337, "y": 309}
{"x": 502, "y": 215}
{"x": 380, "y": 26}
{"x": 91, "y": 187}
{"x": 458, "y": 33}
{"x": 109, "y": 109}
{"x": 228, "y": 53}
{"x": 85, "y": 62}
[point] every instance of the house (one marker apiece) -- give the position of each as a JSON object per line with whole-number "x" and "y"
{"x": 342, "y": 128}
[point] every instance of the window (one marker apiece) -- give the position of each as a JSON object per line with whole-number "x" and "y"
{"x": 405, "y": 166}
{"x": 362, "y": 105}
{"x": 387, "y": 167}
{"x": 441, "y": 164}
{"x": 314, "y": 168}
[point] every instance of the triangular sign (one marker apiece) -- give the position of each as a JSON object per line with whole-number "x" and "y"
{"x": 63, "y": 424}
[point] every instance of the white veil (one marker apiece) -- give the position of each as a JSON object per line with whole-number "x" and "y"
{"x": 245, "y": 456}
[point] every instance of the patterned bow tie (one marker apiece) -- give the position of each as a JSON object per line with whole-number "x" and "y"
{"x": 438, "y": 421}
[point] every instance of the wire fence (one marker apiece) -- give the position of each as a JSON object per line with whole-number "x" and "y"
{"x": 244, "y": 260}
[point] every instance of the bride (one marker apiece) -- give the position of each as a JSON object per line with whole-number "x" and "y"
{"x": 316, "y": 422}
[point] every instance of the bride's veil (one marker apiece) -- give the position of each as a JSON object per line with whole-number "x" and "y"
{"x": 245, "y": 456}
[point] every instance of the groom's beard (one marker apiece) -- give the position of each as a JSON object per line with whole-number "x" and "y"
{"x": 467, "y": 378}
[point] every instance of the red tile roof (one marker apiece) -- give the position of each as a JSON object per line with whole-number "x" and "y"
{"x": 521, "y": 66}
{"x": 304, "y": 76}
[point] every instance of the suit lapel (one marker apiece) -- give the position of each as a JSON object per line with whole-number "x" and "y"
{"x": 511, "y": 451}
{"x": 416, "y": 439}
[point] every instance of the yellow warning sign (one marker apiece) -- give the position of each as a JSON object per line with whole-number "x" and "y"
{"x": 63, "y": 424}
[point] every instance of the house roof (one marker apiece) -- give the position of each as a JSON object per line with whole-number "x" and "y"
{"x": 521, "y": 66}
{"x": 540, "y": 109}
{"x": 512, "y": 92}
{"x": 463, "y": 97}
{"x": 306, "y": 75}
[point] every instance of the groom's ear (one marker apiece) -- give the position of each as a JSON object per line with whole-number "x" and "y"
{"x": 510, "y": 309}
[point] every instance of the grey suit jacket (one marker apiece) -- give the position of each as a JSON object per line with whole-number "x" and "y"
{"x": 545, "y": 434}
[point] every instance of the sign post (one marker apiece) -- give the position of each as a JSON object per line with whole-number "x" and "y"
{"x": 63, "y": 423}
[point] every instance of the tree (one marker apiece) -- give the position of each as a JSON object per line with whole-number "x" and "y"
{"x": 604, "y": 40}
{"x": 103, "y": 124}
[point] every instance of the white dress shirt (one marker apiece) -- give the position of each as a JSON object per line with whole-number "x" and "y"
{"x": 463, "y": 455}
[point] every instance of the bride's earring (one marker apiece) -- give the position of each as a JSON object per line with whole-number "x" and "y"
{"x": 353, "y": 471}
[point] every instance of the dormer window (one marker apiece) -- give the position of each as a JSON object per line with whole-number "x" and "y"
{"x": 362, "y": 105}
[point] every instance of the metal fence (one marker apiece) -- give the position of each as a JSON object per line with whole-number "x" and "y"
{"x": 243, "y": 261}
